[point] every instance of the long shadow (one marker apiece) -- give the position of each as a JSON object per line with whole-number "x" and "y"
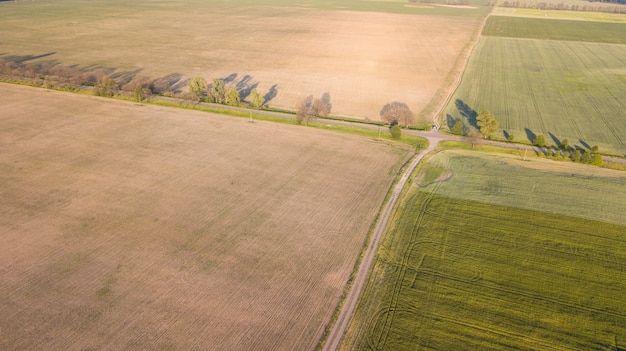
{"x": 556, "y": 140}
{"x": 245, "y": 92}
{"x": 245, "y": 86}
{"x": 506, "y": 134}
{"x": 244, "y": 82}
{"x": 467, "y": 112}
{"x": 584, "y": 143}
{"x": 530, "y": 135}
{"x": 166, "y": 83}
{"x": 125, "y": 77}
{"x": 24, "y": 58}
{"x": 230, "y": 78}
{"x": 450, "y": 121}
{"x": 326, "y": 101}
{"x": 271, "y": 94}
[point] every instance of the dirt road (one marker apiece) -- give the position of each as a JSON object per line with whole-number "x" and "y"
{"x": 361, "y": 277}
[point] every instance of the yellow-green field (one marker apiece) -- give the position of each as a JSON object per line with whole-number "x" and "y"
{"x": 494, "y": 253}
{"x": 562, "y": 79}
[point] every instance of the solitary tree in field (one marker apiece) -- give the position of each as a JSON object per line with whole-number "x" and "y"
{"x": 232, "y": 97}
{"x": 256, "y": 99}
{"x": 487, "y": 123}
{"x": 197, "y": 86}
{"x": 397, "y": 111}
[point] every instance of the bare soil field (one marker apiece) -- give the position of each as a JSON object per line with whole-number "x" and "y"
{"x": 125, "y": 226}
{"x": 362, "y": 59}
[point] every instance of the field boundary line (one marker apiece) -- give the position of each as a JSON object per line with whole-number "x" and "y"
{"x": 457, "y": 81}
{"x": 335, "y": 334}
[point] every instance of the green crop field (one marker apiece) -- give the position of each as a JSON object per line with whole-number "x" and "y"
{"x": 573, "y": 90}
{"x": 561, "y": 14}
{"x": 572, "y": 30}
{"x": 462, "y": 270}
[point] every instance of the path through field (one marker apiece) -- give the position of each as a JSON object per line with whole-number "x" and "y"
{"x": 362, "y": 274}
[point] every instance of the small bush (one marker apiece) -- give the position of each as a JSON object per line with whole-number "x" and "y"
{"x": 396, "y": 132}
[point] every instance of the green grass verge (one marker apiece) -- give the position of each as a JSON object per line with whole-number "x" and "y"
{"x": 456, "y": 273}
{"x": 552, "y": 29}
{"x": 415, "y": 141}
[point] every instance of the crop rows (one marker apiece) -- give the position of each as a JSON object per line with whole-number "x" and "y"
{"x": 494, "y": 277}
{"x": 572, "y": 90}
{"x": 138, "y": 227}
{"x": 551, "y": 29}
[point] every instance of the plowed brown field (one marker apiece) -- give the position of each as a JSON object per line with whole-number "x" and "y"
{"x": 363, "y": 60}
{"x": 137, "y": 227}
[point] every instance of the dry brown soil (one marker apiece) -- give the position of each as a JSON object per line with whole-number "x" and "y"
{"x": 137, "y": 227}
{"x": 362, "y": 59}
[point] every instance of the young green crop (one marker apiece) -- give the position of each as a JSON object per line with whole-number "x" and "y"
{"x": 467, "y": 272}
{"x": 562, "y": 89}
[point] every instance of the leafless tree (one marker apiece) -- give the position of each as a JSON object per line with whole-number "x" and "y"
{"x": 397, "y": 111}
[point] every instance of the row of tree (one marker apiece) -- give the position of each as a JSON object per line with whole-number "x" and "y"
{"x": 575, "y": 155}
{"x": 218, "y": 92}
{"x": 310, "y": 108}
{"x": 565, "y": 150}
{"x": 105, "y": 83}
{"x": 567, "y": 7}
{"x": 486, "y": 126}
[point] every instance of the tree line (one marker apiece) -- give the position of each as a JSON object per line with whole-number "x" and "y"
{"x": 104, "y": 82}
{"x": 566, "y": 151}
{"x": 569, "y": 7}
{"x": 220, "y": 93}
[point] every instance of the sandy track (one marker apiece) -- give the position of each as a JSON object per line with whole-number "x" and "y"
{"x": 335, "y": 335}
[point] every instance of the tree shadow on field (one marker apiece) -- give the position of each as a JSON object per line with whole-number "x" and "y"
{"x": 506, "y": 134}
{"x": 125, "y": 77}
{"x": 245, "y": 86}
{"x": 530, "y": 135}
{"x": 467, "y": 112}
{"x": 450, "y": 121}
{"x": 230, "y": 78}
{"x": 326, "y": 101}
{"x": 24, "y": 58}
{"x": 584, "y": 143}
{"x": 556, "y": 140}
{"x": 170, "y": 82}
{"x": 271, "y": 94}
